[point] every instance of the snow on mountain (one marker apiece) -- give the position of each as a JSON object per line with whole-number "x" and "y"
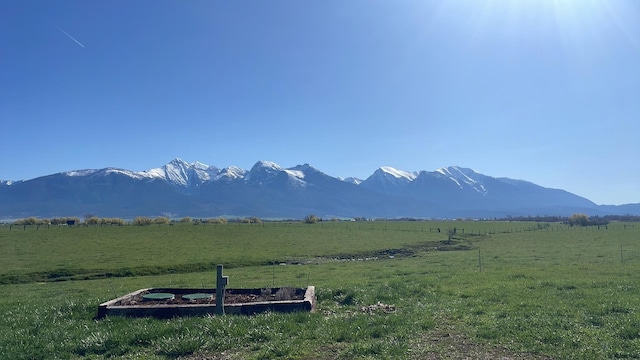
{"x": 386, "y": 179}
{"x": 85, "y": 172}
{"x": 268, "y": 165}
{"x": 230, "y": 173}
{"x": 295, "y": 173}
{"x": 303, "y": 171}
{"x": 263, "y": 170}
{"x": 107, "y": 171}
{"x": 267, "y": 171}
{"x": 132, "y": 174}
{"x": 399, "y": 173}
{"x": 181, "y": 173}
{"x": 11, "y": 182}
{"x": 351, "y": 180}
{"x": 389, "y": 180}
{"x": 199, "y": 165}
{"x": 196, "y": 189}
{"x": 306, "y": 174}
{"x": 464, "y": 176}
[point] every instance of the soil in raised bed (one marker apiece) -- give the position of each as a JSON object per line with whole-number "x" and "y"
{"x": 281, "y": 294}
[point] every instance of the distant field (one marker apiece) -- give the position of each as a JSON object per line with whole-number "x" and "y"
{"x": 59, "y": 252}
{"x": 497, "y": 289}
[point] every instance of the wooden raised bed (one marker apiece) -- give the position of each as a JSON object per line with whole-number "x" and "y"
{"x": 197, "y": 302}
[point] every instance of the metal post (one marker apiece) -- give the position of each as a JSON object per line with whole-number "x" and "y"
{"x": 221, "y": 283}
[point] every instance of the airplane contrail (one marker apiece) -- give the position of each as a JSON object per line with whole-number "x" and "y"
{"x": 66, "y": 33}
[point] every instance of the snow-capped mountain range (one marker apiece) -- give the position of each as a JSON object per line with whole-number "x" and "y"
{"x": 194, "y": 189}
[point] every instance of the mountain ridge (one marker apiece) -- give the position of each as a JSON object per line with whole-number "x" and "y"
{"x": 270, "y": 190}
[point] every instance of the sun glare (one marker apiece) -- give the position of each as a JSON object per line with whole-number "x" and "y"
{"x": 582, "y": 27}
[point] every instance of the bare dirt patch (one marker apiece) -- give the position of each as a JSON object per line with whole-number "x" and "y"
{"x": 446, "y": 343}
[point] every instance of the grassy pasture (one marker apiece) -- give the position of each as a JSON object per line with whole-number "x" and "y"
{"x": 499, "y": 289}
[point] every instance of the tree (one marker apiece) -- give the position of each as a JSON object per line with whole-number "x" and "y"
{"x": 29, "y": 221}
{"x": 310, "y": 219}
{"x": 217, "y": 221}
{"x": 185, "y": 220}
{"x": 112, "y": 221}
{"x": 59, "y": 221}
{"x": 161, "y": 220}
{"x": 142, "y": 221}
{"x": 94, "y": 220}
{"x": 579, "y": 219}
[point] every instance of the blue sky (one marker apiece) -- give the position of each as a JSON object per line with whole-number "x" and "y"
{"x": 542, "y": 90}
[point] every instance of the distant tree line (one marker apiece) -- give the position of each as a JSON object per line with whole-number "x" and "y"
{"x": 55, "y": 221}
{"x": 92, "y": 220}
{"x": 594, "y": 220}
{"x": 162, "y": 220}
{"x": 629, "y": 218}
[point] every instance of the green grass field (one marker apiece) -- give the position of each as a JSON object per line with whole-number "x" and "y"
{"x": 496, "y": 290}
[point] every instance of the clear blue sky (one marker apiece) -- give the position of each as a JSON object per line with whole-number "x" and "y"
{"x": 542, "y": 90}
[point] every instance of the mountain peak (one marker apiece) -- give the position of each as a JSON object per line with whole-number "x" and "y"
{"x": 178, "y": 161}
{"x": 263, "y": 170}
{"x": 464, "y": 176}
{"x": 262, "y": 164}
{"x": 305, "y": 168}
{"x": 183, "y": 164}
{"x": 398, "y": 174}
{"x": 184, "y": 174}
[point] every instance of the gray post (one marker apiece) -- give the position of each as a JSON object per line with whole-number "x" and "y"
{"x": 221, "y": 282}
